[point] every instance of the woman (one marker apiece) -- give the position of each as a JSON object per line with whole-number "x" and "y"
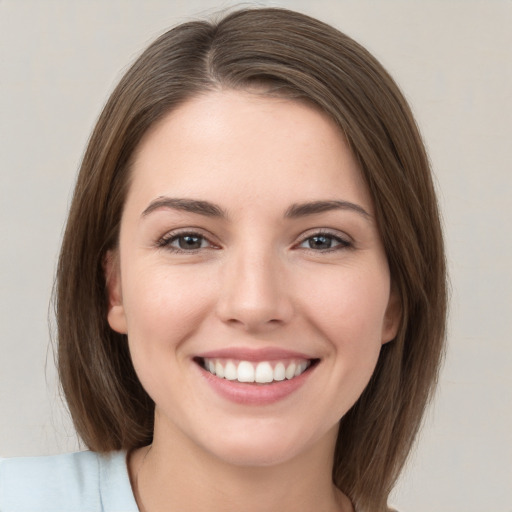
{"x": 251, "y": 289}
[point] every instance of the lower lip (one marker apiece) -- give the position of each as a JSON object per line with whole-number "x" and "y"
{"x": 255, "y": 394}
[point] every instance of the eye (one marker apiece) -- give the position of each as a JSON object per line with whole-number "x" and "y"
{"x": 324, "y": 242}
{"x": 184, "y": 242}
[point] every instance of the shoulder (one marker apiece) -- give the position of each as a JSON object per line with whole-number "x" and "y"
{"x": 78, "y": 482}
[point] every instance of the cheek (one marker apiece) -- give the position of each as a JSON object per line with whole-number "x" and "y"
{"x": 349, "y": 305}
{"x": 163, "y": 308}
{"x": 343, "y": 308}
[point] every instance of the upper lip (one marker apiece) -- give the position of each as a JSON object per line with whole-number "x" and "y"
{"x": 252, "y": 354}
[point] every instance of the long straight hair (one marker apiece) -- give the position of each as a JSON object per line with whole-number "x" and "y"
{"x": 287, "y": 54}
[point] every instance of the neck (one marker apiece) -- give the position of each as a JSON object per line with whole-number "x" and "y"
{"x": 177, "y": 475}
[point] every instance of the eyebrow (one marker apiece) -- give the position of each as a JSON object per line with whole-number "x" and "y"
{"x": 315, "y": 207}
{"x": 209, "y": 209}
{"x": 187, "y": 205}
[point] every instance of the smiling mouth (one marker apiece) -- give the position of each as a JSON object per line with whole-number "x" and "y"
{"x": 257, "y": 372}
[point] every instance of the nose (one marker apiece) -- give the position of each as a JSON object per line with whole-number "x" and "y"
{"x": 253, "y": 294}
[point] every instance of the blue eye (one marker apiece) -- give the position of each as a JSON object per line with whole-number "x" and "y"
{"x": 324, "y": 242}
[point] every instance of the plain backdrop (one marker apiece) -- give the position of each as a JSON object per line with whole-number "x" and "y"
{"x": 59, "y": 60}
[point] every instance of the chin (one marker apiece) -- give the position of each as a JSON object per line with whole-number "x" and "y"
{"x": 255, "y": 455}
{"x": 261, "y": 447}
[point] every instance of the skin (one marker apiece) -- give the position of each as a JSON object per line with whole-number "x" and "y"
{"x": 257, "y": 280}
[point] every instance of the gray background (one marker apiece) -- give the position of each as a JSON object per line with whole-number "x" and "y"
{"x": 453, "y": 59}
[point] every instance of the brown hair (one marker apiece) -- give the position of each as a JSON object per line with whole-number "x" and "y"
{"x": 298, "y": 57}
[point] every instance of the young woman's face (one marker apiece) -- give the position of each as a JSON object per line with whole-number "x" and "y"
{"x": 250, "y": 277}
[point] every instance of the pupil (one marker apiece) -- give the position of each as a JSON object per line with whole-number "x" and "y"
{"x": 320, "y": 242}
{"x": 190, "y": 242}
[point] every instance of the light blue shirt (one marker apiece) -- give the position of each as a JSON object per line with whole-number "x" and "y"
{"x": 74, "y": 482}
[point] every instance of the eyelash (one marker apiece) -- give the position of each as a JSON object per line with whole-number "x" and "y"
{"x": 168, "y": 239}
{"x": 342, "y": 243}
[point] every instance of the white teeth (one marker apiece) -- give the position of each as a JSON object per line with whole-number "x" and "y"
{"x": 245, "y": 372}
{"x": 279, "y": 371}
{"x": 300, "y": 369}
{"x": 264, "y": 373}
{"x": 261, "y": 373}
{"x": 230, "y": 372}
{"x": 219, "y": 369}
{"x": 290, "y": 371}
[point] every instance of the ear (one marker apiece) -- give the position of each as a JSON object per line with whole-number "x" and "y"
{"x": 392, "y": 317}
{"x": 115, "y": 315}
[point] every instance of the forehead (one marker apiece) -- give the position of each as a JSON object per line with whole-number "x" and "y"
{"x": 244, "y": 144}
